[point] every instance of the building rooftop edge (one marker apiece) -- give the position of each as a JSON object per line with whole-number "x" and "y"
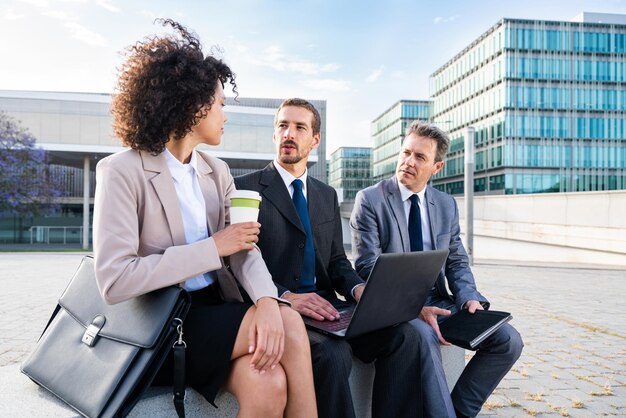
{"x": 103, "y": 97}
{"x": 518, "y": 20}
{"x": 425, "y": 101}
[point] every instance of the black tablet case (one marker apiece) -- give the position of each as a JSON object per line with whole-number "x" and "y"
{"x": 468, "y": 330}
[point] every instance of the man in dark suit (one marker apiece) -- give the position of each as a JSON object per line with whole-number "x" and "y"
{"x": 404, "y": 214}
{"x": 301, "y": 242}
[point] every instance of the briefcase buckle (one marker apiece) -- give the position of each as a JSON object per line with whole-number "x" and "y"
{"x": 91, "y": 333}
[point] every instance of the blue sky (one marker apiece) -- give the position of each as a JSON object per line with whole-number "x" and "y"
{"x": 360, "y": 56}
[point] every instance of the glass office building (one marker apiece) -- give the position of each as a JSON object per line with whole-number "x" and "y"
{"x": 349, "y": 170}
{"x": 387, "y": 132}
{"x": 76, "y": 131}
{"x": 547, "y": 100}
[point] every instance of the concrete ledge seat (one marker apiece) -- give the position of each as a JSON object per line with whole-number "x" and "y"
{"x": 361, "y": 381}
{"x": 21, "y": 398}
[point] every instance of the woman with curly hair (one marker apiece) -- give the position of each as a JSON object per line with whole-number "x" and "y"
{"x": 160, "y": 218}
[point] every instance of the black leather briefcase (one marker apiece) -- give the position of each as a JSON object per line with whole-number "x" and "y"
{"x": 100, "y": 358}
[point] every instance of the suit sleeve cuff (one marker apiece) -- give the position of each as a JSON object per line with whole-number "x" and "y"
{"x": 280, "y": 301}
{"x": 354, "y": 288}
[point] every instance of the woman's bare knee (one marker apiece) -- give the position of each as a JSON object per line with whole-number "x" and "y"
{"x": 259, "y": 394}
{"x": 295, "y": 331}
{"x": 292, "y": 322}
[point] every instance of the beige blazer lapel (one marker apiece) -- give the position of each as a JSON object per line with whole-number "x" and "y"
{"x": 163, "y": 185}
{"x": 214, "y": 202}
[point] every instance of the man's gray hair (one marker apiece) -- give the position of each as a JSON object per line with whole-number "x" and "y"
{"x": 431, "y": 131}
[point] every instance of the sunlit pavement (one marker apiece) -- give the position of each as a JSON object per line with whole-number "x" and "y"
{"x": 572, "y": 322}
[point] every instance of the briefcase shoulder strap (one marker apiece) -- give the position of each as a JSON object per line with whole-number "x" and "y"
{"x": 179, "y": 371}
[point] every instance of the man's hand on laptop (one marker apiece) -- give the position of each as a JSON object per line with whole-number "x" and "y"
{"x": 429, "y": 315}
{"x": 312, "y": 305}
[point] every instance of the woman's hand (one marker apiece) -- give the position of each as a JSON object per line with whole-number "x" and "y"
{"x": 237, "y": 237}
{"x": 266, "y": 336}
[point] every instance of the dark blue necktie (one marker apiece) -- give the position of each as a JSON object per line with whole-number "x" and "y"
{"x": 415, "y": 225}
{"x": 307, "y": 280}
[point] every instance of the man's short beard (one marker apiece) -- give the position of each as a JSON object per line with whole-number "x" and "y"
{"x": 290, "y": 159}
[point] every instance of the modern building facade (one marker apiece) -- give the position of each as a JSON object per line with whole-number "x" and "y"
{"x": 387, "y": 131}
{"x": 547, "y": 100}
{"x": 76, "y": 130}
{"x": 350, "y": 171}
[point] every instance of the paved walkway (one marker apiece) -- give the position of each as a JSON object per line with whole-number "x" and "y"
{"x": 572, "y": 321}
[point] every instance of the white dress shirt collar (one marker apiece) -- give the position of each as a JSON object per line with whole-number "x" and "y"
{"x": 405, "y": 194}
{"x": 288, "y": 178}
{"x": 179, "y": 170}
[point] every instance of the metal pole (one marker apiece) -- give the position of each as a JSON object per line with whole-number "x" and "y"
{"x": 86, "y": 170}
{"x": 469, "y": 193}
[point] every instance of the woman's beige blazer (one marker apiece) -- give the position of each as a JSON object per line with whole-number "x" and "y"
{"x": 138, "y": 233}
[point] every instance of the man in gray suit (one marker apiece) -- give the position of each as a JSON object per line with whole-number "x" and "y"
{"x": 404, "y": 214}
{"x": 302, "y": 245}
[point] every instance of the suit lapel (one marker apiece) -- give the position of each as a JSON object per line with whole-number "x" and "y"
{"x": 164, "y": 187}
{"x": 276, "y": 192}
{"x": 397, "y": 209}
{"x": 433, "y": 219}
{"x": 317, "y": 207}
{"x": 214, "y": 201}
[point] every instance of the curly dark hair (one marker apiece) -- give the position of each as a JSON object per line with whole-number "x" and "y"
{"x": 164, "y": 88}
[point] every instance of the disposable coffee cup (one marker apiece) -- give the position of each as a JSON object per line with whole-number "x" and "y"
{"x": 244, "y": 206}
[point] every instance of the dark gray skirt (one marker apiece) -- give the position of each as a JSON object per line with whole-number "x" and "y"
{"x": 210, "y": 331}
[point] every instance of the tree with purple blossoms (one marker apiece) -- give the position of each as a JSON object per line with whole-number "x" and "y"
{"x": 27, "y": 187}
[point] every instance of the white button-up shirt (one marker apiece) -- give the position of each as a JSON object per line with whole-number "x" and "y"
{"x": 405, "y": 194}
{"x": 288, "y": 178}
{"x": 192, "y": 208}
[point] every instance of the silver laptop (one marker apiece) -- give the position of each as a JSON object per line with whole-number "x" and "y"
{"x": 396, "y": 291}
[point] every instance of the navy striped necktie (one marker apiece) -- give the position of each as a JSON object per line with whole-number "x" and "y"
{"x": 415, "y": 225}
{"x": 307, "y": 280}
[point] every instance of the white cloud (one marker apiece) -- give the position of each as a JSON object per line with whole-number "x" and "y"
{"x": 85, "y": 35}
{"x": 328, "y": 85}
{"x": 38, "y": 3}
{"x": 107, "y": 5}
{"x": 373, "y": 76}
{"x": 448, "y": 19}
{"x": 11, "y": 14}
{"x": 149, "y": 14}
{"x": 274, "y": 57}
{"x": 57, "y": 14}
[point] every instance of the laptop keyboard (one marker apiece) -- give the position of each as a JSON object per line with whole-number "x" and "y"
{"x": 338, "y": 325}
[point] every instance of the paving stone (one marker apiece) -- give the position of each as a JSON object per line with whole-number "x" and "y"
{"x": 569, "y": 353}
{"x": 558, "y": 400}
{"x": 602, "y": 407}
